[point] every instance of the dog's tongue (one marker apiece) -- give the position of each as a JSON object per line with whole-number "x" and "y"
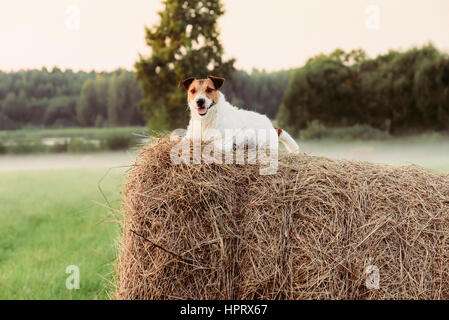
{"x": 202, "y": 111}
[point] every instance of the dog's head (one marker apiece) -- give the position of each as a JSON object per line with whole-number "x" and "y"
{"x": 202, "y": 94}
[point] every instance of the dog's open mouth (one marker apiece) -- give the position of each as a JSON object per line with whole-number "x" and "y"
{"x": 201, "y": 110}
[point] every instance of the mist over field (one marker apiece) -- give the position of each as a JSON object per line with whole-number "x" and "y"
{"x": 430, "y": 155}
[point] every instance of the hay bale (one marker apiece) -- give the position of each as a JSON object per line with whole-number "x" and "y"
{"x": 308, "y": 232}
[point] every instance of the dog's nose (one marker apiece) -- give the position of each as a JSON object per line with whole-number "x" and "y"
{"x": 200, "y": 102}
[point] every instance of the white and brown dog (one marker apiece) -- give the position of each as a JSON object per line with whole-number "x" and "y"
{"x": 225, "y": 124}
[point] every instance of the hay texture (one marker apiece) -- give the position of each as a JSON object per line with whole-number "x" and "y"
{"x": 317, "y": 229}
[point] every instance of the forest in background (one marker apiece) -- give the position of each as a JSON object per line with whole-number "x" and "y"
{"x": 56, "y": 98}
{"x": 397, "y": 92}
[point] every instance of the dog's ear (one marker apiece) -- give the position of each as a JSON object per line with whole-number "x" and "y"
{"x": 218, "y": 82}
{"x": 186, "y": 83}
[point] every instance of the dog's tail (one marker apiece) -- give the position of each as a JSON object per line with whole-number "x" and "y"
{"x": 287, "y": 140}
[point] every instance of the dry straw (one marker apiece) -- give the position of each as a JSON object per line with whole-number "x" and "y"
{"x": 310, "y": 231}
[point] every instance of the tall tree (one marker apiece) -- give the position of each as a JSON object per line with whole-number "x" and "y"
{"x": 60, "y": 111}
{"x": 101, "y": 89}
{"x": 86, "y": 108}
{"x": 185, "y": 43}
{"x": 16, "y": 106}
{"x": 114, "y": 101}
{"x": 124, "y": 95}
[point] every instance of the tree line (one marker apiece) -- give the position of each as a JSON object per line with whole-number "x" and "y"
{"x": 394, "y": 92}
{"x": 397, "y": 92}
{"x": 56, "y": 98}
{"x": 259, "y": 91}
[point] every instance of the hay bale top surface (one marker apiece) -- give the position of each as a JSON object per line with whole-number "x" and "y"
{"x": 310, "y": 231}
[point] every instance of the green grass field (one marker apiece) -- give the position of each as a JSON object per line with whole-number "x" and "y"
{"x": 52, "y": 219}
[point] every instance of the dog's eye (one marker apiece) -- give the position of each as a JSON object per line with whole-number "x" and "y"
{"x": 192, "y": 91}
{"x": 209, "y": 90}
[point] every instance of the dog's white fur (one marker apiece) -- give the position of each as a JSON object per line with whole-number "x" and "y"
{"x": 227, "y": 126}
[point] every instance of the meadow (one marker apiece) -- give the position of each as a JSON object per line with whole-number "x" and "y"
{"x": 53, "y": 216}
{"x": 51, "y": 219}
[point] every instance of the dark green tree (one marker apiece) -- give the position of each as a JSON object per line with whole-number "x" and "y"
{"x": 115, "y": 101}
{"x": 60, "y": 112}
{"x": 258, "y": 91}
{"x": 15, "y": 106}
{"x": 327, "y": 88}
{"x": 86, "y": 107}
{"x": 123, "y": 96}
{"x": 431, "y": 90}
{"x": 185, "y": 43}
{"x": 400, "y": 92}
{"x": 101, "y": 89}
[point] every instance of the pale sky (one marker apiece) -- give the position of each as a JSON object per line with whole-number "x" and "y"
{"x": 263, "y": 34}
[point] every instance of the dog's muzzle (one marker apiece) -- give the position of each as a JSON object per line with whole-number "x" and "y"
{"x": 202, "y": 108}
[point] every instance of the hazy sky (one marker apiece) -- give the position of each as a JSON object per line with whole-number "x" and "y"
{"x": 266, "y": 34}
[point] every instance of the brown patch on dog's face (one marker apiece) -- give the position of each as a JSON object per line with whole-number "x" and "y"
{"x": 204, "y": 86}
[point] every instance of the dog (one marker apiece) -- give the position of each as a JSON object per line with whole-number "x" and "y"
{"x": 226, "y": 125}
